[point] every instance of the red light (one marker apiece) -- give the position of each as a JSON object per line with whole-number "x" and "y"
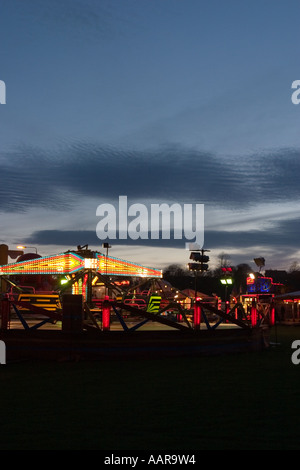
{"x": 253, "y": 314}
{"x": 272, "y": 314}
{"x": 197, "y": 316}
{"x": 227, "y": 270}
{"x": 106, "y": 314}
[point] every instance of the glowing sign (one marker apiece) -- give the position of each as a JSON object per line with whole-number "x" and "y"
{"x": 262, "y": 285}
{"x": 118, "y": 267}
{"x": 65, "y": 263}
{"x": 70, "y": 263}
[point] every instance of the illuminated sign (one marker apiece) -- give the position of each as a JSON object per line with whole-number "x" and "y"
{"x": 71, "y": 263}
{"x": 118, "y": 267}
{"x": 261, "y": 285}
{"x": 65, "y": 263}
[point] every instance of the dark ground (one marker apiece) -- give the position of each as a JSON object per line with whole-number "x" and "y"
{"x": 247, "y": 401}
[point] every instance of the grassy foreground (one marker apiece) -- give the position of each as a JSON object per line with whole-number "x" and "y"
{"x": 243, "y": 401}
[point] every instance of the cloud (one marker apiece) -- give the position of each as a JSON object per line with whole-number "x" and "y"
{"x": 58, "y": 179}
{"x": 280, "y": 234}
{"x": 76, "y": 19}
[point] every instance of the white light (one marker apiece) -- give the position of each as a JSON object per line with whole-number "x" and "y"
{"x": 91, "y": 263}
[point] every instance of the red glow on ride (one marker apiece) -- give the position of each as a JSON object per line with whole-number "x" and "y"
{"x": 106, "y": 314}
{"x": 253, "y": 314}
{"x": 197, "y": 315}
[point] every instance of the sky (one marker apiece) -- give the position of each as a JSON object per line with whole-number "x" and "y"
{"x": 162, "y": 101}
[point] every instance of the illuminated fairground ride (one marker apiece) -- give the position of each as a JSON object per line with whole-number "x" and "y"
{"x": 92, "y": 275}
{"x": 95, "y": 288}
{"x": 99, "y": 289}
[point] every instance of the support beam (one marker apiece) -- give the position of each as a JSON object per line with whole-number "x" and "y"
{"x": 226, "y": 316}
{"x": 150, "y": 316}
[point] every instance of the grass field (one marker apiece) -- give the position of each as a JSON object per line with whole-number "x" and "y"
{"x": 243, "y": 401}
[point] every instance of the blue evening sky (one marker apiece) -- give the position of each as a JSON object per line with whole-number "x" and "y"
{"x": 162, "y": 101}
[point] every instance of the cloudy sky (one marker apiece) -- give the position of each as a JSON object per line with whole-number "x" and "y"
{"x": 164, "y": 101}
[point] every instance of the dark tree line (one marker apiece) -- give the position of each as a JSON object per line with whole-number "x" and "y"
{"x": 209, "y": 282}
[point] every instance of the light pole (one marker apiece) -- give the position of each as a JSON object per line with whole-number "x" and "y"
{"x": 226, "y": 281}
{"x": 107, "y": 246}
{"x": 200, "y": 264}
